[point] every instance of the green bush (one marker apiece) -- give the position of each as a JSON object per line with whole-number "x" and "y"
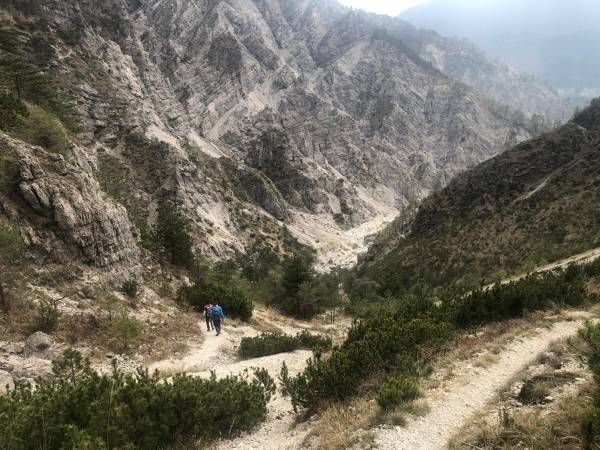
{"x": 125, "y": 332}
{"x": 314, "y": 342}
{"x": 12, "y": 110}
{"x": 81, "y": 409}
{"x": 396, "y": 391}
{"x": 233, "y": 301}
{"x": 382, "y": 344}
{"x": 44, "y": 129}
{"x": 130, "y": 288}
{"x": 590, "y": 426}
{"x": 559, "y": 288}
{"x": 272, "y": 343}
{"x": 590, "y": 429}
{"x": 47, "y": 317}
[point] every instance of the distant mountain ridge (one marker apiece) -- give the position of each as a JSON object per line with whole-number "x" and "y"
{"x": 555, "y": 40}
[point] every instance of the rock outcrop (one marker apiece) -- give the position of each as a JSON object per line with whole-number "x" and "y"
{"x": 58, "y": 202}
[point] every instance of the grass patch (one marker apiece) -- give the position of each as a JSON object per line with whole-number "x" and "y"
{"x": 539, "y": 429}
{"x": 537, "y": 390}
{"x": 344, "y": 425}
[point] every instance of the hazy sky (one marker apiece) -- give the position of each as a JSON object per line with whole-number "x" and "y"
{"x": 390, "y": 7}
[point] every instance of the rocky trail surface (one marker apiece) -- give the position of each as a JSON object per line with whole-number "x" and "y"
{"x": 464, "y": 397}
{"x": 217, "y": 354}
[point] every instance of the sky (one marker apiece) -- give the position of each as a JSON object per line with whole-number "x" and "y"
{"x": 389, "y": 7}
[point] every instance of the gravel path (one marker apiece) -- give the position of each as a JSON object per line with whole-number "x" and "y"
{"x": 462, "y": 401}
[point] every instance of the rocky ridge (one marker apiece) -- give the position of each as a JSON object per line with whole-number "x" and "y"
{"x": 252, "y": 113}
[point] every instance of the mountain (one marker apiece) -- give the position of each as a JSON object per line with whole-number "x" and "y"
{"x": 463, "y": 61}
{"x": 258, "y": 118}
{"x": 533, "y": 204}
{"x": 551, "y": 39}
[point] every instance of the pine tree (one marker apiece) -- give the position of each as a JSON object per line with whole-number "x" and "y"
{"x": 172, "y": 236}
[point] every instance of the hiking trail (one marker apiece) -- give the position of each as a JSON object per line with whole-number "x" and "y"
{"x": 473, "y": 391}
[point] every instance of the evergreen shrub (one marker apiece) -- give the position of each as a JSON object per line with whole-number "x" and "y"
{"x": 82, "y": 409}
{"x": 272, "y": 343}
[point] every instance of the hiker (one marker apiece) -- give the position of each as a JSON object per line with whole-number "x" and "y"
{"x": 218, "y": 317}
{"x": 207, "y": 315}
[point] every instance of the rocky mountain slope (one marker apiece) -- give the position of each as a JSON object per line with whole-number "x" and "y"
{"x": 463, "y": 61}
{"x": 252, "y": 115}
{"x": 532, "y": 204}
{"x": 553, "y": 40}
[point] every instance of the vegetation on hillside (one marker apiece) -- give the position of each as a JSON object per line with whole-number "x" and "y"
{"x": 32, "y": 106}
{"x": 401, "y": 335}
{"x": 81, "y": 409}
{"x": 532, "y": 205}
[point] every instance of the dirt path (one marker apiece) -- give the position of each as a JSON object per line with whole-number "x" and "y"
{"x": 461, "y": 400}
{"x": 581, "y": 258}
{"x": 208, "y": 352}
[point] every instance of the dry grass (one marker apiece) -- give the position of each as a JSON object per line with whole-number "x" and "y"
{"x": 17, "y": 323}
{"x": 344, "y": 425}
{"x": 170, "y": 336}
{"x": 399, "y": 416}
{"x": 540, "y": 429}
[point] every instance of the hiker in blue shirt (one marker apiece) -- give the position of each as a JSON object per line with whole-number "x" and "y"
{"x": 217, "y": 317}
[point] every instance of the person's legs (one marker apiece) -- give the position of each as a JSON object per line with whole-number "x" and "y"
{"x": 208, "y": 323}
{"x": 217, "y": 325}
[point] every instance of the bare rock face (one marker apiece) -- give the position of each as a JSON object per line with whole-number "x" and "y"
{"x": 63, "y": 202}
{"x": 6, "y": 382}
{"x": 369, "y": 126}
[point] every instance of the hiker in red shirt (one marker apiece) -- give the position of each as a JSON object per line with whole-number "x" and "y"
{"x": 207, "y": 315}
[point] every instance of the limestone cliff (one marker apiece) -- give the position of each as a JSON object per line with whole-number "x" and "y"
{"x": 59, "y": 205}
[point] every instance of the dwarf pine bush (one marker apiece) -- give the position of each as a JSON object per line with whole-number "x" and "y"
{"x": 81, "y": 409}
{"x": 396, "y": 391}
{"x": 396, "y": 339}
{"x": 272, "y": 343}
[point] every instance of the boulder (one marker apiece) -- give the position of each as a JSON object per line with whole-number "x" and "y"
{"x": 31, "y": 368}
{"x": 38, "y": 342}
{"x": 6, "y": 382}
